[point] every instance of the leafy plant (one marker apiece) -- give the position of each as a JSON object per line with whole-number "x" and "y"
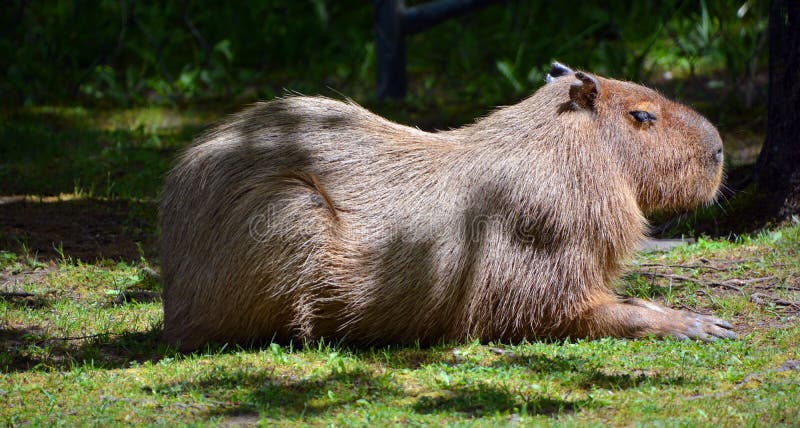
{"x": 133, "y": 53}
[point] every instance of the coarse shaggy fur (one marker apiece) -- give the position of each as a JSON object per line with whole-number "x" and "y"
{"x": 306, "y": 217}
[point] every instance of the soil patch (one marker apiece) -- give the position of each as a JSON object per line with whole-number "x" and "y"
{"x": 85, "y": 229}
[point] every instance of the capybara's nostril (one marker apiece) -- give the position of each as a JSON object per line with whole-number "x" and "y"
{"x": 713, "y": 143}
{"x": 718, "y": 155}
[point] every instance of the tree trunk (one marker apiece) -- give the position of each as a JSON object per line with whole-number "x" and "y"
{"x": 393, "y": 22}
{"x": 777, "y": 170}
{"x": 390, "y": 48}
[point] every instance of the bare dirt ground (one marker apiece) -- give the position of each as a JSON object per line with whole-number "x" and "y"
{"x": 85, "y": 229}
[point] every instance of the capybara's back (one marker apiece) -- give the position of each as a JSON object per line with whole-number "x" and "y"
{"x": 304, "y": 218}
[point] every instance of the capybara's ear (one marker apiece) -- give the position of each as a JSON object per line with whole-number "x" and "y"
{"x": 584, "y": 91}
{"x": 557, "y": 70}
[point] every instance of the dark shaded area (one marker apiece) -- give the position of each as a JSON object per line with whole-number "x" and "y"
{"x": 85, "y": 229}
{"x": 71, "y": 150}
{"x": 30, "y": 348}
{"x": 778, "y": 168}
{"x": 481, "y": 399}
{"x": 589, "y": 375}
{"x": 268, "y": 390}
{"x": 294, "y": 397}
{"x": 486, "y": 400}
{"x": 133, "y": 53}
{"x": 137, "y": 296}
{"x": 22, "y": 300}
{"x": 128, "y": 52}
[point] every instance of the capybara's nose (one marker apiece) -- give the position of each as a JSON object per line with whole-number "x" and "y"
{"x": 713, "y": 143}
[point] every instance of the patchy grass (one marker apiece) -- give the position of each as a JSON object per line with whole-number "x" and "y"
{"x": 80, "y": 345}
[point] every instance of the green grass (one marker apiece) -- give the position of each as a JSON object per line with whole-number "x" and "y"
{"x": 75, "y": 353}
{"x": 109, "y": 154}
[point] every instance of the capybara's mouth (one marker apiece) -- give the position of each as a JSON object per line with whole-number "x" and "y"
{"x": 715, "y": 188}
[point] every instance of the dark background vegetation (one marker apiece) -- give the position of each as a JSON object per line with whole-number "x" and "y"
{"x": 84, "y": 82}
{"x": 124, "y": 53}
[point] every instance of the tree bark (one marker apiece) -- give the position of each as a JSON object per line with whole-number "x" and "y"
{"x": 777, "y": 170}
{"x": 393, "y": 22}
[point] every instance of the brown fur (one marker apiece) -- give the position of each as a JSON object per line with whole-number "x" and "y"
{"x": 308, "y": 217}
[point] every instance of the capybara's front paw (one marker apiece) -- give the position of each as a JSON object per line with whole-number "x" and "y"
{"x": 703, "y": 327}
{"x": 666, "y": 322}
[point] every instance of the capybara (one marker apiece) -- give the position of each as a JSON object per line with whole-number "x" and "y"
{"x": 305, "y": 218}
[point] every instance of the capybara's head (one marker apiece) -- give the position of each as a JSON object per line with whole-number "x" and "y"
{"x": 671, "y": 154}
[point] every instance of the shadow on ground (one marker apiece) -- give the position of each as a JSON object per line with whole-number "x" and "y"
{"x": 30, "y": 348}
{"x": 85, "y": 229}
{"x": 484, "y": 399}
{"x": 270, "y": 392}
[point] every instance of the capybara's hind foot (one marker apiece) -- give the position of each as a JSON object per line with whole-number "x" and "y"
{"x": 638, "y": 318}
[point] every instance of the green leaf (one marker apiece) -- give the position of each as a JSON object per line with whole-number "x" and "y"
{"x": 507, "y": 70}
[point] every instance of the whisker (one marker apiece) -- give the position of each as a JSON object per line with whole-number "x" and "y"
{"x": 722, "y": 208}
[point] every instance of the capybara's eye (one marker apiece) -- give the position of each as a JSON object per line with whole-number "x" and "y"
{"x": 643, "y": 116}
